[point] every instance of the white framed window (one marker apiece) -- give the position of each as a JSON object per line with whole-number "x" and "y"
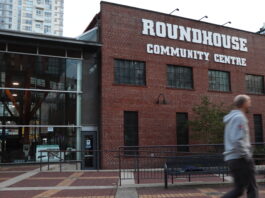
{"x": 48, "y": 14}
{"x": 38, "y": 25}
{"x": 47, "y": 29}
{"x": 27, "y": 28}
{"x": 39, "y": 12}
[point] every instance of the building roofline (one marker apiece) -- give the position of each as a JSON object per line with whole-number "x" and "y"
{"x": 44, "y": 37}
{"x": 260, "y": 31}
{"x": 194, "y": 20}
{"x": 93, "y": 22}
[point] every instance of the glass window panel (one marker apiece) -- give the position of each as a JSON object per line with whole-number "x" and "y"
{"x": 37, "y": 108}
{"x": 179, "y": 77}
{"x": 255, "y": 84}
{"x": 24, "y": 71}
{"x": 12, "y": 146}
{"x": 129, "y": 72}
{"x": 219, "y": 80}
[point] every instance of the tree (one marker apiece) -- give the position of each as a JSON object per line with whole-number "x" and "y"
{"x": 207, "y": 125}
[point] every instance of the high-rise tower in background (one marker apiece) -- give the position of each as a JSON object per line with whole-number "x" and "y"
{"x": 40, "y": 16}
{"x": 262, "y": 30}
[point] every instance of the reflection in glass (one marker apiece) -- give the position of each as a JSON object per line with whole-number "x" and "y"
{"x": 21, "y": 108}
{"x": 23, "y": 71}
{"x": 11, "y": 148}
{"x": 35, "y": 108}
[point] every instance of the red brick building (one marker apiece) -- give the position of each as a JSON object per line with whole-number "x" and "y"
{"x": 155, "y": 67}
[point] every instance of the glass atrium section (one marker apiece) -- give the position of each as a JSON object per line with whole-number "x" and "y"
{"x": 37, "y": 104}
{"x": 22, "y": 71}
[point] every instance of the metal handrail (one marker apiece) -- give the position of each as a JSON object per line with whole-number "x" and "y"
{"x": 143, "y": 161}
{"x": 62, "y": 160}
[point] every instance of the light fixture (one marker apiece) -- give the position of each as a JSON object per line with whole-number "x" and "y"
{"x": 228, "y": 22}
{"x": 14, "y": 94}
{"x": 204, "y": 17}
{"x": 15, "y": 83}
{"x": 159, "y": 101}
{"x": 174, "y": 11}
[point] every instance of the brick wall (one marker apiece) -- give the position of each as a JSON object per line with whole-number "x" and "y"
{"x": 122, "y": 38}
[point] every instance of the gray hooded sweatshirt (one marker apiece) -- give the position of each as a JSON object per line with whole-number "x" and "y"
{"x": 236, "y": 137}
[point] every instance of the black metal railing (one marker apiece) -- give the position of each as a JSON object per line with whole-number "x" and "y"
{"x": 147, "y": 162}
{"x": 139, "y": 163}
{"x": 98, "y": 159}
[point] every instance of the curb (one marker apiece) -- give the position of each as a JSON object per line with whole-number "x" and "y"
{"x": 182, "y": 185}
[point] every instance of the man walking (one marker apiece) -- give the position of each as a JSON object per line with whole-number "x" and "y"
{"x": 238, "y": 153}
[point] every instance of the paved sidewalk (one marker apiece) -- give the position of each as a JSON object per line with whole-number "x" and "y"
{"x": 30, "y": 183}
{"x": 195, "y": 192}
{"x": 35, "y": 184}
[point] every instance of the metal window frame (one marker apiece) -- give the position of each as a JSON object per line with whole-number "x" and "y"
{"x": 42, "y": 55}
{"x": 252, "y": 86}
{"x": 40, "y": 126}
{"x": 179, "y": 70}
{"x": 127, "y": 66}
{"x": 40, "y": 90}
{"x": 217, "y": 81}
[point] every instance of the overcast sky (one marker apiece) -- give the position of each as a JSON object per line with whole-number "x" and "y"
{"x": 244, "y": 14}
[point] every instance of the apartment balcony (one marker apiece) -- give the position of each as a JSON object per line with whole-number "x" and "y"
{"x": 38, "y": 18}
{"x": 40, "y": 6}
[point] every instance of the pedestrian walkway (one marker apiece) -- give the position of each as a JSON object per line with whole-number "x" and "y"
{"x": 194, "y": 192}
{"x": 35, "y": 184}
{"x": 20, "y": 183}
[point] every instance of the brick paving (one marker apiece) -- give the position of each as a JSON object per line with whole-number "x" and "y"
{"x": 47, "y": 179}
{"x": 85, "y": 193}
{"x": 18, "y": 168}
{"x": 5, "y": 176}
{"x": 37, "y": 183}
{"x": 19, "y": 194}
{"x": 96, "y": 182}
{"x": 52, "y": 174}
{"x": 8, "y": 172}
{"x": 57, "y": 183}
{"x": 180, "y": 192}
{"x": 102, "y": 185}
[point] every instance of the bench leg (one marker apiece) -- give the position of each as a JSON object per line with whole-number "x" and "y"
{"x": 189, "y": 178}
{"x": 172, "y": 179}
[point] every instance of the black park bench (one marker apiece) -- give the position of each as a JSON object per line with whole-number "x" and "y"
{"x": 194, "y": 165}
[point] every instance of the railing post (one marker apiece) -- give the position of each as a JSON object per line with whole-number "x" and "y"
{"x": 48, "y": 153}
{"x": 97, "y": 154}
{"x": 76, "y": 166}
{"x": 60, "y": 160}
{"x": 166, "y": 179}
{"x": 138, "y": 167}
{"x": 120, "y": 164}
{"x": 40, "y": 161}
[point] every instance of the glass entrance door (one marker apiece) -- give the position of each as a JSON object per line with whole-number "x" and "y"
{"x": 89, "y": 150}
